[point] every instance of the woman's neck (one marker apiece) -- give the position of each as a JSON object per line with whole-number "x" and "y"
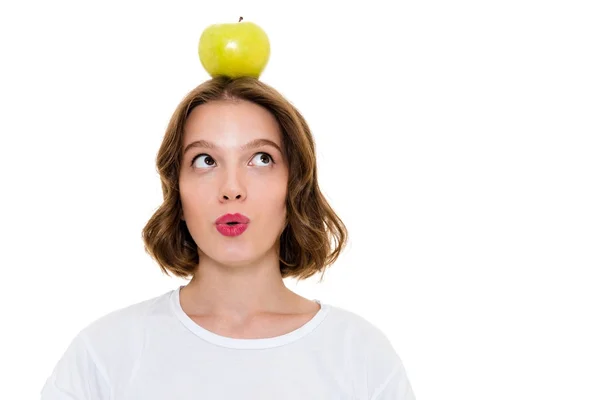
{"x": 239, "y": 292}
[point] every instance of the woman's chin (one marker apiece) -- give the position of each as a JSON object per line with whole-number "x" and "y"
{"x": 237, "y": 254}
{"x": 235, "y": 257}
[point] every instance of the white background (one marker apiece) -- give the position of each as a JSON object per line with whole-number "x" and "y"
{"x": 457, "y": 140}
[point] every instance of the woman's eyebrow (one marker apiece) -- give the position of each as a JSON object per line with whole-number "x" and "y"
{"x": 250, "y": 145}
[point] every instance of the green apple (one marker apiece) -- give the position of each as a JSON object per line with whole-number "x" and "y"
{"x": 234, "y": 49}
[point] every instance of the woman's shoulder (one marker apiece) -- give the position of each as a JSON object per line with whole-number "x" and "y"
{"x": 359, "y": 329}
{"x": 376, "y": 355}
{"x": 357, "y": 322}
{"x": 105, "y": 347}
{"x": 124, "y": 322}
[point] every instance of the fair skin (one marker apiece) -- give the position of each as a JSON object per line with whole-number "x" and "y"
{"x": 237, "y": 290}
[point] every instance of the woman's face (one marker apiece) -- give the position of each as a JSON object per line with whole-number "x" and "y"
{"x": 233, "y": 163}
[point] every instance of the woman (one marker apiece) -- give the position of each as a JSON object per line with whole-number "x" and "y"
{"x": 242, "y": 211}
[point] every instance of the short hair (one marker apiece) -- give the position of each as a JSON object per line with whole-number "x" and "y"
{"x": 314, "y": 236}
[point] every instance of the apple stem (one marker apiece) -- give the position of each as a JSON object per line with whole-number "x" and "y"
{"x": 241, "y": 18}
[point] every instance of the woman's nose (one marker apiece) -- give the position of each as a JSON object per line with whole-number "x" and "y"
{"x": 231, "y": 196}
{"x": 232, "y": 189}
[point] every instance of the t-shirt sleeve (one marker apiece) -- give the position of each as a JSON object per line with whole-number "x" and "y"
{"x": 76, "y": 376}
{"x": 396, "y": 386}
{"x": 387, "y": 378}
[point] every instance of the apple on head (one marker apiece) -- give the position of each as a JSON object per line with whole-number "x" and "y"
{"x": 234, "y": 49}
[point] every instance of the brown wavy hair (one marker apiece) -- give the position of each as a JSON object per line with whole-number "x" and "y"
{"x": 314, "y": 235}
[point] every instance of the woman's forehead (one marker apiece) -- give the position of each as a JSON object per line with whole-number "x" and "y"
{"x": 228, "y": 124}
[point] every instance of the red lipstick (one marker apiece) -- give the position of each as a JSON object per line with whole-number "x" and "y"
{"x": 227, "y": 218}
{"x": 232, "y": 224}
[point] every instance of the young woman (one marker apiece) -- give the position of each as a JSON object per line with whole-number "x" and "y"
{"x": 242, "y": 211}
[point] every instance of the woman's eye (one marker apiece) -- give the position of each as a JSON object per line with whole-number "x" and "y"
{"x": 263, "y": 159}
{"x": 206, "y": 160}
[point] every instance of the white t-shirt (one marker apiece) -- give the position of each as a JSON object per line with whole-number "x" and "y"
{"x": 153, "y": 350}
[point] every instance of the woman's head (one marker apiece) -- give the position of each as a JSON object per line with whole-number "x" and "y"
{"x": 237, "y": 146}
